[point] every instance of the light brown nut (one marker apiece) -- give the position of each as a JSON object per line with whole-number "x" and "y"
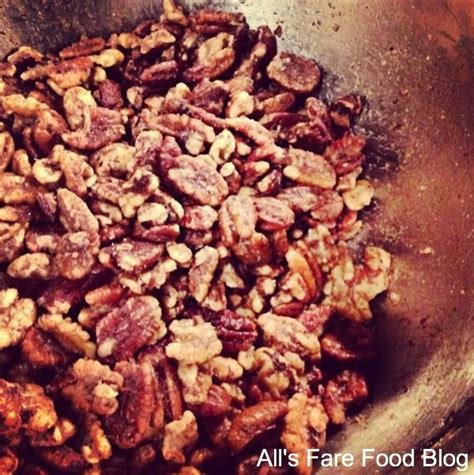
{"x": 288, "y": 334}
{"x": 294, "y": 73}
{"x": 199, "y": 218}
{"x": 96, "y": 447}
{"x": 11, "y": 240}
{"x": 360, "y": 196}
{"x": 307, "y": 168}
{"x": 117, "y": 160}
{"x": 16, "y": 316}
{"x": 136, "y": 191}
{"x": 24, "y": 53}
{"x": 237, "y": 219}
{"x": 196, "y": 381}
{"x": 84, "y": 47}
{"x": 252, "y": 129}
{"x": 194, "y": 342}
{"x": 76, "y": 254}
{"x": 180, "y": 436}
{"x": 123, "y": 331}
{"x": 8, "y": 461}
{"x": 202, "y": 272}
{"x": 70, "y": 334}
{"x": 47, "y": 129}
{"x": 305, "y": 429}
{"x": 252, "y": 422}
{"x": 16, "y": 190}
{"x": 74, "y": 213}
{"x": 92, "y": 387}
{"x": 197, "y": 179}
{"x": 180, "y": 253}
{"x": 273, "y": 214}
{"x": 35, "y": 265}
{"x": 108, "y": 57}
{"x": 173, "y": 13}
{"x": 345, "y": 154}
{"x": 21, "y": 105}
{"x": 7, "y": 148}
{"x": 79, "y": 175}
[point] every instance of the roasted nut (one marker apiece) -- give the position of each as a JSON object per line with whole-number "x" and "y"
{"x": 36, "y": 265}
{"x": 74, "y": 213}
{"x": 202, "y": 272}
{"x": 345, "y": 154}
{"x": 360, "y": 196}
{"x": 179, "y": 436}
{"x": 7, "y": 148}
{"x": 252, "y": 422}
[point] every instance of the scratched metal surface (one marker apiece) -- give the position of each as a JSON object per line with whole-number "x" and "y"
{"x": 414, "y": 61}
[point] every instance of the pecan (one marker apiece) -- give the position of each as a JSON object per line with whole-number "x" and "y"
{"x": 16, "y": 190}
{"x": 63, "y": 459}
{"x": 237, "y": 219}
{"x": 36, "y": 265}
{"x": 252, "y": 422}
{"x": 314, "y": 318}
{"x": 273, "y": 214}
{"x": 16, "y": 316}
{"x": 252, "y": 129}
{"x": 199, "y": 218}
{"x": 8, "y": 461}
{"x": 217, "y": 404}
{"x": 109, "y": 94}
{"x": 345, "y": 154}
{"x": 41, "y": 350}
{"x": 179, "y": 436}
{"x": 174, "y": 13}
{"x": 347, "y": 389}
{"x": 288, "y": 334}
{"x": 209, "y": 21}
{"x": 210, "y": 96}
{"x": 75, "y": 254}
{"x": 122, "y": 332}
{"x": 57, "y": 435}
{"x": 305, "y": 429}
{"x": 7, "y": 148}
{"x": 74, "y": 213}
{"x": 47, "y": 129}
{"x": 277, "y": 103}
{"x": 23, "y": 54}
{"x": 197, "y": 179}
{"x": 344, "y": 109}
{"x": 136, "y": 191}
{"x": 202, "y": 272}
{"x": 310, "y": 169}
{"x": 84, "y": 47}
{"x": 196, "y": 381}
{"x": 360, "y": 196}
{"x": 294, "y": 73}
{"x": 160, "y": 74}
{"x": 101, "y": 127}
{"x": 96, "y": 447}
{"x": 115, "y": 160}
{"x": 76, "y": 102}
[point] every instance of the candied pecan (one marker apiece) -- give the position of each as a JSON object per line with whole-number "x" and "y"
{"x": 253, "y": 251}
{"x": 11, "y": 240}
{"x": 196, "y": 380}
{"x": 179, "y": 436}
{"x": 57, "y": 435}
{"x": 76, "y": 254}
{"x": 217, "y": 404}
{"x": 251, "y": 129}
{"x": 16, "y": 316}
{"x": 208, "y": 21}
{"x": 68, "y": 333}
{"x": 136, "y": 191}
{"x": 202, "y": 272}
{"x": 305, "y": 429}
{"x": 23, "y": 54}
{"x": 210, "y": 96}
{"x": 7, "y": 148}
{"x": 197, "y": 179}
{"x": 64, "y": 459}
{"x": 35, "y": 265}
{"x": 277, "y": 103}
{"x": 79, "y": 175}
{"x": 131, "y": 256}
{"x": 252, "y": 422}
{"x": 74, "y": 213}
{"x": 76, "y": 102}
{"x": 126, "y": 329}
{"x": 199, "y": 218}
{"x": 84, "y": 47}
{"x": 16, "y": 190}
{"x": 288, "y": 334}
{"x": 96, "y": 446}
{"x": 360, "y": 196}
{"x": 194, "y": 342}
{"x": 101, "y": 127}
{"x": 236, "y": 333}
{"x": 344, "y": 109}
{"x": 294, "y": 73}
{"x": 237, "y": 219}
{"x": 47, "y": 129}
{"x": 315, "y": 317}
{"x": 21, "y": 105}
{"x": 173, "y": 13}
{"x": 347, "y": 389}
{"x": 160, "y": 74}
{"x": 41, "y": 350}
{"x": 8, "y": 461}
{"x": 273, "y": 214}
{"x": 310, "y": 169}
{"x": 109, "y": 94}
{"x": 116, "y": 160}
{"x": 345, "y": 154}
{"x": 130, "y": 425}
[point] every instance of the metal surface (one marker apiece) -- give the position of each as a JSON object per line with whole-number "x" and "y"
{"x": 414, "y": 61}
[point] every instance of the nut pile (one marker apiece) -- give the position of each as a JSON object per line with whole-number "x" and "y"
{"x": 176, "y": 285}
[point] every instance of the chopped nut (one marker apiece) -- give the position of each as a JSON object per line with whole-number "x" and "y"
{"x": 360, "y": 196}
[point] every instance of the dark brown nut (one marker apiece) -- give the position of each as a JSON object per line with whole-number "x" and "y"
{"x": 274, "y": 214}
{"x": 7, "y": 148}
{"x": 109, "y": 94}
{"x": 307, "y": 168}
{"x": 11, "y": 240}
{"x": 196, "y": 178}
{"x": 48, "y": 204}
{"x": 101, "y": 127}
{"x": 16, "y": 316}
{"x": 64, "y": 459}
{"x": 270, "y": 184}
{"x": 159, "y": 234}
{"x": 346, "y": 390}
{"x": 278, "y": 103}
{"x": 74, "y": 214}
{"x": 348, "y": 342}
{"x": 7, "y": 70}
{"x": 174, "y": 13}
{"x": 160, "y": 74}
{"x": 123, "y": 331}
{"x": 35, "y": 265}
{"x": 294, "y": 73}
{"x": 41, "y": 350}
{"x": 254, "y": 251}
{"x": 84, "y": 47}
{"x": 252, "y": 422}
{"x": 210, "y": 96}
{"x": 288, "y": 334}
{"x": 76, "y": 254}
{"x": 180, "y": 436}
{"x": 91, "y": 387}
{"x": 345, "y": 154}
{"x": 131, "y": 256}
{"x": 114, "y": 160}
{"x": 344, "y": 109}
{"x": 143, "y": 456}
{"x": 130, "y": 425}
{"x": 8, "y": 461}
{"x": 305, "y": 429}
{"x": 202, "y": 272}
{"x": 237, "y": 333}
{"x": 10, "y": 415}
{"x": 64, "y": 74}
{"x": 199, "y": 218}
{"x": 315, "y": 318}
{"x": 208, "y": 21}
{"x": 214, "y": 57}
{"x": 217, "y": 405}
{"x": 47, "y": 129}
{"x": 16, "y": 190}
{"x": 113, "y": 233}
